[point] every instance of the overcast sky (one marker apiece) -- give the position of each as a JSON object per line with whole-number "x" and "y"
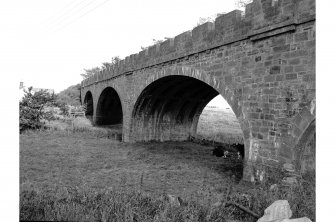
{"x": 48, "y": 43}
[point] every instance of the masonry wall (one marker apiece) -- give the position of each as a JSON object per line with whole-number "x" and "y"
{"x": 262, "y": 63}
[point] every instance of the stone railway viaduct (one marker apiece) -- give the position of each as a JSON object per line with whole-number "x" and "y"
{"x": 262, "y": 62}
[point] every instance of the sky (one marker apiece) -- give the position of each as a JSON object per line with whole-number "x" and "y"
{"x": 48, "y": 43}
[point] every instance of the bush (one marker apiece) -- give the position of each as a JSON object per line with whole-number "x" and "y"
{"x": 63, "y": 107}
{"x": 81, "y": 124}
{"x": 32, "y": 109}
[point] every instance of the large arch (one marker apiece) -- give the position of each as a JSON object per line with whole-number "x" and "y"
{"x": 171, "y": 100}
{"x": 169, "y": 108}
{"x": 89, "y": 108}
{"x": 109, "y": 108}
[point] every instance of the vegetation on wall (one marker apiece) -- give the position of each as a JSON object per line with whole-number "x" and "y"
{"x": 95, "y": 70}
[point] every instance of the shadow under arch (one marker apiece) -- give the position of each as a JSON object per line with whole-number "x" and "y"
{"x": 109, "y": 108}
{"x": 168, "y": 108}
{"x": 88, "y": 103}
{"x": 171, "y": 100}
{"x": 232, "y": 94}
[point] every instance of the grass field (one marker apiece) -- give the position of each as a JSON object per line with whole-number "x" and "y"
{"x": 76, "y": 172}
{"x": 220, "y": 125}
{"x": 50, "y": 158}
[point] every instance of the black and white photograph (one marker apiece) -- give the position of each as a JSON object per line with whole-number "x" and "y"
{"x": 165, "y": 111}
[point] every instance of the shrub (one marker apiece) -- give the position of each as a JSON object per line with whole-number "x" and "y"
{"x": 81, "y": 124}
{"x": 63, "y": 107}
{"x": 32, "y": 109}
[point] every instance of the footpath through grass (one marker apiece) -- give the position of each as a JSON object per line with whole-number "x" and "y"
{"x": 83, "y": 176}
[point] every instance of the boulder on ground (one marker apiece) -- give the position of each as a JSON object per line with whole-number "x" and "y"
{"x": 302, "y": 219}
{"x": 278, "y": 210}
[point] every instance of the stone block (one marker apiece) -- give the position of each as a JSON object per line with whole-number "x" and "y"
{"x": 253, "y": 115}
{"x": 297, "y": 53}
{"x": 274, "y": 70}
{"x": 301, "y": 37}
{"x": 269, "y": 78}
{"x": 280, "y": 77}
{"x": 278, "y": 41}
{"x": 291, "y": 76}
{"x": 295, "y": 61}
{"x": 282, "y": 48}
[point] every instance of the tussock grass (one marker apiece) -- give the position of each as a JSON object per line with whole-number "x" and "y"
{"x": 82, "y": 125}
{"x": 85, "y": 204}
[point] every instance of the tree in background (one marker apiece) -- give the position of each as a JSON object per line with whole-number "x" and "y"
{"x": 70, "y": 96}
{"x": 32, "y": 109}
{"x": 91, "y": 72}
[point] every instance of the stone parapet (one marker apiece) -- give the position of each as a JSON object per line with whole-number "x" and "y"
{"x": 260, "y": 16}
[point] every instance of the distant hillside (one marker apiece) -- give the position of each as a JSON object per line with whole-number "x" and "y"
{"x": 70, "y": 96}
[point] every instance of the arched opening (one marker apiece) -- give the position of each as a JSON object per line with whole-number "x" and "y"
{"x": 306, "y": 150}
{"x": 88, "y": 104}
{"x": 109, "y": 109}
{"x": 219, "y": 127}
{"x": 218, "y": 122}
{"x": 169, "y": 109}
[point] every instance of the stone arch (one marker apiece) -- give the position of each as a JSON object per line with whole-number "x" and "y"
{"x": 89, "y": 107}
{"x": 305, "y": 149}
{"x": 170, "y": 101}
{"x": 302, "y": 136}
{"x": 109, "y": 108}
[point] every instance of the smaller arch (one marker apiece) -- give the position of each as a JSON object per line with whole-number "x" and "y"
{"x": 305, "y": 150}
{"x": 88, "y": 104}
{"x": 109, "y": 108}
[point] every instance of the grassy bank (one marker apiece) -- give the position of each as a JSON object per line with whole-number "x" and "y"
{"x": 74, "y": 174}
